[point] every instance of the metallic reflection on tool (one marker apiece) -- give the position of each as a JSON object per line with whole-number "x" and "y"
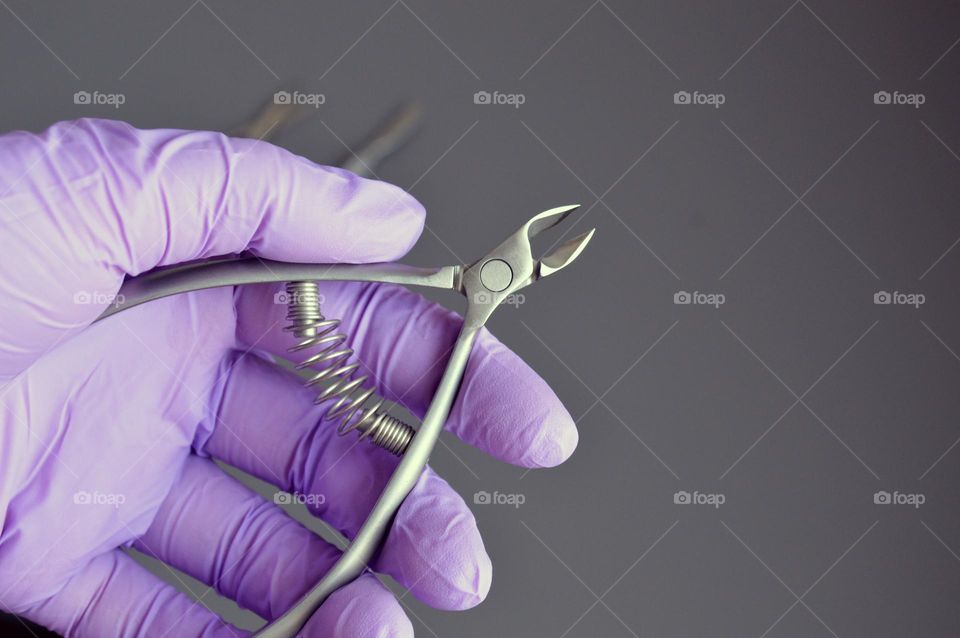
{"x": 486, "y": 283}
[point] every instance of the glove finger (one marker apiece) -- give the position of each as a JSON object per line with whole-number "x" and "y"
{"x": 225, "y": 535}
{"x": 403, "y": 340}
{"x": 434, "y": 547}
{"x": 114, "y": 596}
{"x": 361, "y": 609}
{"x": 94, "y": 434}
{"x": 101, "y": 199}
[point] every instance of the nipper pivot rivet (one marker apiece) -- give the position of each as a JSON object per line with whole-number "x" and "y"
{"x": 496, "y": 275}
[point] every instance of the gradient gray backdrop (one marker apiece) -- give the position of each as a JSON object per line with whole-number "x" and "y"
{"x": 798, "y": 199}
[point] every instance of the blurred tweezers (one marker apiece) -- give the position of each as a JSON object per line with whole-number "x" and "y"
{"x": 384, "y": 141}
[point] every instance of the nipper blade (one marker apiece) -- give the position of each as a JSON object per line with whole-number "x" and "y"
{"x": 548, "y": 219}
{"x": 565, "y": 254}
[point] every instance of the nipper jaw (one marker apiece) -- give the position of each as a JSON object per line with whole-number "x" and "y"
{"x": 511, "y": 266}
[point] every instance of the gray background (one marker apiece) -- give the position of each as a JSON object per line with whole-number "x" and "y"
{"x": 797, "y": 199}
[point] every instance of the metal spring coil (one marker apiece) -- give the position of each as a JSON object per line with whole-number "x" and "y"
{"x": 357, "y": 407}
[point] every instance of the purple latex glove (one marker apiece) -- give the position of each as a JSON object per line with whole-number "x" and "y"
{"x": 106, "y": 431}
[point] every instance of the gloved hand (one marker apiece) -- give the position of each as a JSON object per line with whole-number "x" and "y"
{"x": 106, "y": 431}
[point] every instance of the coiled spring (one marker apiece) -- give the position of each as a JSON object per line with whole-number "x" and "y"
{"x": 357, "y": 407}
